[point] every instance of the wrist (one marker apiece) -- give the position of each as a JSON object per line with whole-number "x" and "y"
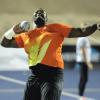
{"x": 9, "y": 34}
{"x": 98, "y": 27}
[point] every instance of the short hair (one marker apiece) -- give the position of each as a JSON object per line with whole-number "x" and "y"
{"x": 40, "y": 10}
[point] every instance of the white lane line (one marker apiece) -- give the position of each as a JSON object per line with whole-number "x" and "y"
{"x": 11, "y": 90}
{"x": 24, "y": 83}
{"x": 75, "y": 96}
{"x": 12, "y": 80}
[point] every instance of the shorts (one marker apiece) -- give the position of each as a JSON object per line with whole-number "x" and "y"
{"x": 45, "y": 83}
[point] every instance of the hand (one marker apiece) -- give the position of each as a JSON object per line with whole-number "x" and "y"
{"x": 98, "y": 27}
{"x": 90, "y": 66}
{"x": 17, "y": 29}
{"x": 21, "y": 27}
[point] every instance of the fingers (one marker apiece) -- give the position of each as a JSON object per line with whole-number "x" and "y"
{"x": 98, "y": 27}
{"x": 17, "y": 29}
{"x": 21, "y": 27}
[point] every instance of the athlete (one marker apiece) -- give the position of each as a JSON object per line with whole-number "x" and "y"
{"x": 44, "y": 46}
{"x": 83, "y": 58}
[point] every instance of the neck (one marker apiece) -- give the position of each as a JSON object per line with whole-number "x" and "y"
{"x": 38, "y": 26}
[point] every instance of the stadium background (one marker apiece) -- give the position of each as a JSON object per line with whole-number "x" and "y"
{"x": 62, "y": 11}
{"x": 13, "y": 62}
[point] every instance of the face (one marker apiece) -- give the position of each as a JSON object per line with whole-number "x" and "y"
{"x": 40, "y": 17}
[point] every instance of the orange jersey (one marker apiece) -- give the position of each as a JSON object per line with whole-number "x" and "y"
{"x": 44, "y": 45}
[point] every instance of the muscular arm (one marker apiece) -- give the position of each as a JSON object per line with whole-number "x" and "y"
{"x": 9, "y": 43}
{"x": 8, "y": 39}
{"x": 82, "y": 32}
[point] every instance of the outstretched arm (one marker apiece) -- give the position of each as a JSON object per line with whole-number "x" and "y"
{"x": 82, "y": 32}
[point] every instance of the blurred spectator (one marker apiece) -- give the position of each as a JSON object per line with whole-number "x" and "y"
{"x": 83, "y": 58}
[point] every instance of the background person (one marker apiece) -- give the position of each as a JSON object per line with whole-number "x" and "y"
{"x": 83, "y": 58}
